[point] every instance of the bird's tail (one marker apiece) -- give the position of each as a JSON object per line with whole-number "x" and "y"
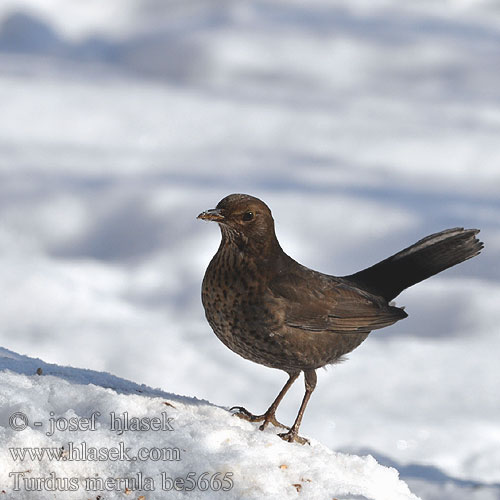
{"x": 427, "y": 257}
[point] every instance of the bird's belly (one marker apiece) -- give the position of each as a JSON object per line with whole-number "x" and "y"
{"x": 237, "y": 320}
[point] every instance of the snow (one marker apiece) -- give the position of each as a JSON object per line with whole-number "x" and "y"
{"x": 364, "y": 125}
{"x": 82, "y": 411}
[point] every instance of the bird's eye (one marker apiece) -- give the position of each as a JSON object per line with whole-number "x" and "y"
{"x": 247, "y": 216}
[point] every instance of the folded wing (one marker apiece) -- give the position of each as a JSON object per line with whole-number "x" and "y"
{"x": 317, "y": 302}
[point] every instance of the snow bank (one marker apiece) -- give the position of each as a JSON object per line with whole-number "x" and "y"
{"x": 76, "y": 421}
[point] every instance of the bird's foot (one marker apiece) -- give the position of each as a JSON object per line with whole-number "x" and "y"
{"x": 292, "y": 436}
{"x": 266, "y": 418}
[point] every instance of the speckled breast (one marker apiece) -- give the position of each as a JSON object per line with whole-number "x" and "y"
{"x": 232, "y": 296}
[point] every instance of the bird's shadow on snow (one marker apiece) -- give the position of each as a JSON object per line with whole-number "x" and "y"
{"x": 25, "y": 365}
{"x": 428, "y": 473}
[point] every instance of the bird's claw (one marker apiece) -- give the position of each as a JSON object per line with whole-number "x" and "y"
{"x": 266, "y": 418}
{"x": 241, "y": 412}
{"x": 292, "y": 437}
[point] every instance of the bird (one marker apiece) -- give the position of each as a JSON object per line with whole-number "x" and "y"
{"x": 269, "y": 309}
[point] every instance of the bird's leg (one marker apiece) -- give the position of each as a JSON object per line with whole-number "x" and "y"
{"x": 270, "y": 415}
{"x": 292, "y": 435}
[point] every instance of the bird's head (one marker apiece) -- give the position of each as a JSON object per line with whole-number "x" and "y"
{"x": 243, "y": 219}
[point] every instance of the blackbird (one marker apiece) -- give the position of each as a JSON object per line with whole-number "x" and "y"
{"x": 270, "y": 309}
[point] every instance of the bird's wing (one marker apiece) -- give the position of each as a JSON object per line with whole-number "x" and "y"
{"x": 317, "y": 302}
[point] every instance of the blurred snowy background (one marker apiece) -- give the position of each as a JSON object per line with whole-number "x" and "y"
{"x": 364, "y": 125}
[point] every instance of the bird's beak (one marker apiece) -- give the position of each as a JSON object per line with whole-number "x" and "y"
{"x": 214, "y": 214}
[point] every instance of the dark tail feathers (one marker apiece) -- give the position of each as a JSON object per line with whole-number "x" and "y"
{"x": 427, "y": 257}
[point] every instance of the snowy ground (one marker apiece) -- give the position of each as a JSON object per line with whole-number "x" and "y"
{"x": 364, "y": 125}
{"x": 194, "y": 449}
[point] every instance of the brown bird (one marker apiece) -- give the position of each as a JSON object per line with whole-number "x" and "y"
{"x": 270, "y": 309}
